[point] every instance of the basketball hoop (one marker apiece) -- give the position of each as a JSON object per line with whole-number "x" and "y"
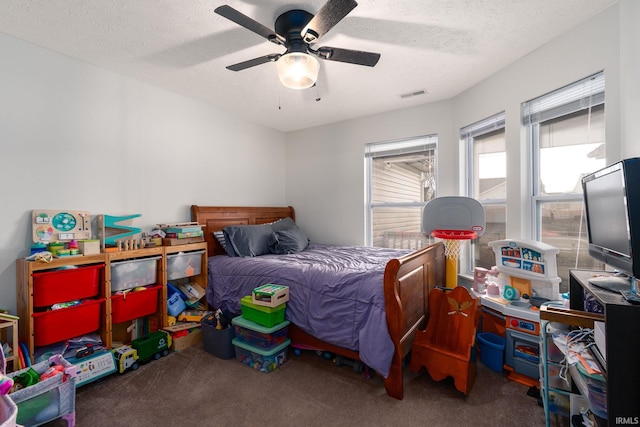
{"x": 451, "y": 240}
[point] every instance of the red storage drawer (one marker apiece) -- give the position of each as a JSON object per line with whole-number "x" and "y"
{"x": 132, "y": 305}
{"x": 62, "y": 324}
{"x": 55, "y": 286}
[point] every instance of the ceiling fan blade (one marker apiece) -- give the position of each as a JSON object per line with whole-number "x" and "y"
{"x": 248, "y": 23}
{"x": 329, "y": 15}
{"x": 357, "y": 57}
{"x": 253, "y": 62}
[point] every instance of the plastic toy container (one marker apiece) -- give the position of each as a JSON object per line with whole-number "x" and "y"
{"x": 132, "y": 273}
{"x": 135, "y": 304}
{"x": 259, "y": 359}
{"x": 491, "y": 350}
{"x": 260, "y": 336}
{"x": 48, "y": 399}
{"x": 175, "y": 303}
{"x": 218, "y": 342}
{"x": 55, "y": 286}
{"x": 265, "y": 316}
{"x": 59, "y": 325}
{"x": 184, "y": 264}
{"x": 596, "y": 391}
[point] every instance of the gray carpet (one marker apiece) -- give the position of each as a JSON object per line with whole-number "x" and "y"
{"x": 194, "y": 388}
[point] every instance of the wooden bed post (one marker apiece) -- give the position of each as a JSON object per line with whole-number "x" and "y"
{"x": 407, "y": 283}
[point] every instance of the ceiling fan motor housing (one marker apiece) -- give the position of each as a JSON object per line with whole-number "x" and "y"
{"x": 290, "y": 25}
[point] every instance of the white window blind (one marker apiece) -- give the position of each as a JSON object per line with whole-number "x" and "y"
{"x": 404, "y": 146}
{"x": 483, "y": 127}
{"x": 577, "y": 96}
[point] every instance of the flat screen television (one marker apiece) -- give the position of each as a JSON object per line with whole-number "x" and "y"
{"x": 612, "y": 207}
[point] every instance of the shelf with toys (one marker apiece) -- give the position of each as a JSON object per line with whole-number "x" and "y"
{"x": 118, "y": 295}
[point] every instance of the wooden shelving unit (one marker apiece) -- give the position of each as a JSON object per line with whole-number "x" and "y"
{"x": 107, "y": 330}
{"x": 9, "y": 334}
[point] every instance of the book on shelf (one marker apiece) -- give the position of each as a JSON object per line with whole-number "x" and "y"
{"x": 183, "y": 234}
{"x": 174, "y": 241}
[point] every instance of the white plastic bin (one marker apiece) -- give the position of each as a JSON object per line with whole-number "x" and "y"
{"x": 128, "y": 274}
{"x": 184, "y": 264}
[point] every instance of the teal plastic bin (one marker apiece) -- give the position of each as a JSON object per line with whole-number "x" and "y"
{"x": 491, "y": 350}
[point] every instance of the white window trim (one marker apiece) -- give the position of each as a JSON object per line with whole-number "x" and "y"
{"x": 467, "y": 136}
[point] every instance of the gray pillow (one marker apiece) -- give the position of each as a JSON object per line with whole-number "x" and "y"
{"x": 289, "y": 241}
{"x": 283, "y": 224}
{"x": 247, "y": 240}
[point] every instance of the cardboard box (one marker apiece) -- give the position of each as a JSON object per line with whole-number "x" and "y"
{"x": 192, "y": 292}
{"x": 270, "y": 295}
{"x": 184, "y": 335}
{"x": 89, "y": 247}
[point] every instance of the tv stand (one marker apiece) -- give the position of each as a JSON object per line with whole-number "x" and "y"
{"x": 622, "y": 329}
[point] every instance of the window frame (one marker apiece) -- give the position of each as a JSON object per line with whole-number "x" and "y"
{"x": 374, "y": 150}
{"x": 468, "y": 134}
{"x": 578, "y": 97}
{"x": 583, "y": 94}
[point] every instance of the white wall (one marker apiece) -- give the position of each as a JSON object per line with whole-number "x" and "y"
{"x": 629, "y": 82}
{"x": 325, "y": 167}
{"x": 73, "y": 136}
{"x": 585, "y": 50}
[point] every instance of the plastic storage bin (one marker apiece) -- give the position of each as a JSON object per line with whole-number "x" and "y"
{"x": 49, "y": 399}
{"x": 131, "y": 305}
{"x": 491, "y": 350}
{"x": 132, "y": 273}
{"x": 265, "y": 316}
{"x": 596, "y": 391}
{"x": 69, "y": 284}
{"x": 175, "y": 303}
{"x": 259, "y": 359}
{"x": 184, "y": 264}
{"x": 59, "y": 325}
{"x": 218, "y": 342}
{"x": 260, "y": 336}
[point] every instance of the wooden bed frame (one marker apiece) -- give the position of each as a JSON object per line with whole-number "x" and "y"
{"x": 407, "y": 283}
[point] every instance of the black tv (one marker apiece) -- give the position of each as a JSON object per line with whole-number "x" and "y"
{"x": 612, "y": 207}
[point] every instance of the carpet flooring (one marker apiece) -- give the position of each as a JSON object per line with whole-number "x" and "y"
{"x": 195, "y": 388}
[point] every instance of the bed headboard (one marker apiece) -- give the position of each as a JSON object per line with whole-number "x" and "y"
{"x": 215, "y": 218}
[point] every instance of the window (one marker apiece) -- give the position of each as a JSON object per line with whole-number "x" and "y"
{"x": 566, "y": 131}
{"x": 486, "y": 162}
{"x": 401, "y": 178}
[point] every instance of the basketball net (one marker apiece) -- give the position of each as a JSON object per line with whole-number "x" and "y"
{"x": 451, "y": 240}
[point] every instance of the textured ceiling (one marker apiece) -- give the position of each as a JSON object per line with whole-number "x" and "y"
{"x": 441, "y": 46}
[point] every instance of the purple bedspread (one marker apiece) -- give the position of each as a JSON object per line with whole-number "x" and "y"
{"x": 335, "y": 293}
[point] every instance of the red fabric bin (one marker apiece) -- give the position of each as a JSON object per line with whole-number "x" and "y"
{"x": 70, "y": 284}
{"x": 132, "y": 305}
{"x": 60, "y": 325}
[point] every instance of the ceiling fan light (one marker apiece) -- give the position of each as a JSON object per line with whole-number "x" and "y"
{"x": 298, "y": 70}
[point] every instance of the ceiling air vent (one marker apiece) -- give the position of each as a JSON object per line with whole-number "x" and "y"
{"x": 414, "y": 93}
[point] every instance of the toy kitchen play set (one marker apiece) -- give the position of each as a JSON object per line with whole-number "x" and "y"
{"x": 525, "y": 275}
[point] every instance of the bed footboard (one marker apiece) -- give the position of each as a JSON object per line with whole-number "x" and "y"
{"x": 407, "y": 283}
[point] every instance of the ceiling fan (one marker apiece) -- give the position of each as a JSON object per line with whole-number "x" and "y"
{"x": 298, "y": 31}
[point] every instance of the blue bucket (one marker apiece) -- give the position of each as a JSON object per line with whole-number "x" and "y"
{"x": 491, "y": 350}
